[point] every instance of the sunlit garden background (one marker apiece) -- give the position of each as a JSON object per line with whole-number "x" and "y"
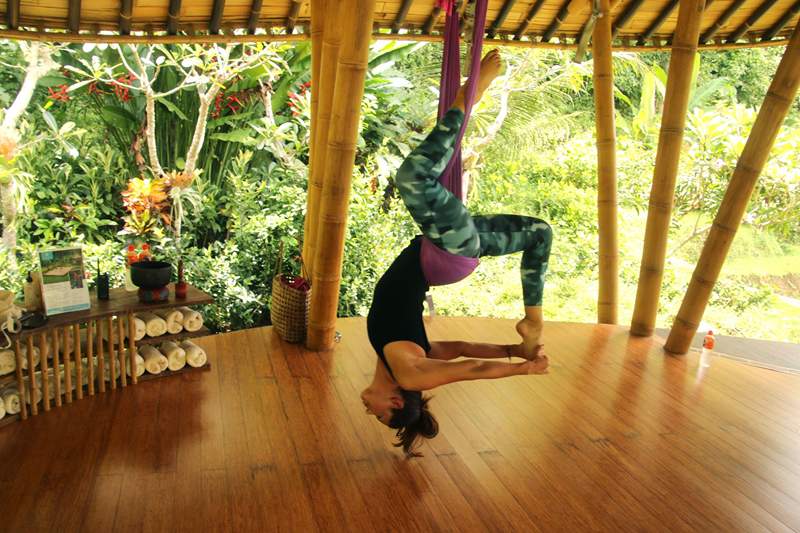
{"x": 230, "y": 137}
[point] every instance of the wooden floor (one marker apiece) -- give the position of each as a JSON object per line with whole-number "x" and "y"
{"x": 617, "y": 437}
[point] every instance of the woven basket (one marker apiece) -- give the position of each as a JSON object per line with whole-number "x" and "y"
{"x": 289, "y": 311}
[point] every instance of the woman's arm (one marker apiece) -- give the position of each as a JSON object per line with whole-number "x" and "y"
{"x": 448, "y": 350}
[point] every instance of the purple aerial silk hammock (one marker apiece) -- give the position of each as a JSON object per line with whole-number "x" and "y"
{"x": 441, "y": 267}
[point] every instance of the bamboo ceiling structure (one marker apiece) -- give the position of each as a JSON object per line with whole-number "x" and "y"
{"x": 340, "y": 33}
{"x": 636, "y": 24}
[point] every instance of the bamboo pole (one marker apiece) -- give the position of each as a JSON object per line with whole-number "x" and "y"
{"x": 121, "y": 352}
{"x": 773, "y": 111}
{"x": 325, "y": 84}
{"x": 606, "y": 167}
{"x": 67, "y": 364}
{"x": 101, "y": 358}
{"x": 76, "y": 334}
{"x": 341, "y": 150}
{"x": 56, "y": 365}
{"x": 676, "y": 103}
{"x": 90, "y": 357}
{"x": 32, "y": 376}
{"x": 20, "y": 380}
{"x": 111, "y": 362}
{"x": 132, "y": 347}
{"x": 43, "y": 353}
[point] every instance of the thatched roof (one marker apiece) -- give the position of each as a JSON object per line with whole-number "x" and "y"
{"x": 637, "y": 23}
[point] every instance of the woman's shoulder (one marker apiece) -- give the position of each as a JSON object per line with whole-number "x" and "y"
{"x": 404, "y": 358}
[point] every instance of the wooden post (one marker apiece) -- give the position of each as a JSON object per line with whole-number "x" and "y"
{"x": 341, "y": 149}
{"x": 132, "y": 346}
{"x": 111, "y": 362}
{"x": 56, "y": 365}
{"x": 773, "y": 111}
{"x": 324, "y": 85}
{"x": 101, "y": 358}
{"x": 32, "y": 376}
{"x": 67, "y": 364}
{"x": 90, "y": 357}
{"x": 20, "y": 380}
{"x": 76, "y": 333}
{"x": 606, "y": 167}
{"x": 121, "y": 352}
{"x": 676, "y": 103}
{"x": 43, "y": 353}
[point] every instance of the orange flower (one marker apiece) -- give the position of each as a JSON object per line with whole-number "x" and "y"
{"x": 180, "y": 180}
{"x": 9, "y": 139}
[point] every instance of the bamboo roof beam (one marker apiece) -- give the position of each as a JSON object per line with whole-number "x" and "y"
{"x": 603, "y": 78}
{"x": 523, "y": 28}
{"x": 125, "y": 13}
{"x": 432, "y": 19}
{"x": 625, "y": 16}
{"x": 325, "y": 85}
{"x": 173, "y": 16}
{"x": 776, "y": 28}
{"x": 341, "y": 149}
{"x": 557, "y": 21}
{"x": 12, "y": 14}
{"x": 723, "y": 18}
{"x": 659, "y": 20}
{"x": 255, "y": 15}
{"x": 294, "y": 12}
{"x": 74, "y": 16}
{"x": 588, "y": 30}
{"x": 501, "y": 17}
{"x": 777, "y": 102}
{"x": 318, "y": 10}
{"x": 401, "y": 16}
{"x": 752, "y": 19}
{"x": 670, "y": 140}
{"x": 216, "y": 16}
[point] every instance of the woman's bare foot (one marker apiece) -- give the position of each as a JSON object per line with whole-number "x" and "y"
{"x": 538, "y": 365}
{"x": 531, "y": 333}
{"x": 491, "y": 64}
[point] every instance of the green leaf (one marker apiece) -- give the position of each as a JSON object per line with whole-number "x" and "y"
{"x": 50, "y": 120}
{"x": 173, "y": 108}
{"x": 54, "y": 80}
{"x": 118, "y": 116}
{"x": 244, "y": 136}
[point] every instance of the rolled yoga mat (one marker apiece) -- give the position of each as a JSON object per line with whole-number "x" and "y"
{"x": 11, "y": 401}
{"x": 155, "y": 326}
{"x": 138, "y": 323}
{"x": 139, "y": 365}
{"x": 195, "y": 355}
{"x": 174, "y": 354}
{"x": 23, "y": 350}
{"x": 173, "y": 318}
{"x": 192, "y": 320}
{"x": 154, "y": 361}
{"x": 8, "y": 362}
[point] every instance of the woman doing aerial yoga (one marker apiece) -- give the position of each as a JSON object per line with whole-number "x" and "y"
{"x": 452, "y": 240}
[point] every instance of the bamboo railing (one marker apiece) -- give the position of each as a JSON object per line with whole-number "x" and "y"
{"x": 606, "y": 168}
{"x": 324, "y": 85}
{"x": 773, "y": 111}
{"x": 340, "y": 156}
{"x": 676, "y": 102}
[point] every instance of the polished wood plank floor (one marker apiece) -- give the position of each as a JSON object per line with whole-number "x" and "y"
{"x": 617, "y": 437}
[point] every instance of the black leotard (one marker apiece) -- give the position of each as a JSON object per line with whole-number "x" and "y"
{"x": 396, "y": 310}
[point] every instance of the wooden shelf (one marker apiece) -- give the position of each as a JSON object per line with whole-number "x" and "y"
{"x": 8, "y": 378}
{"x": 169, "y": 373}
{"x": 8, "y": 420}
{"x": 121, "y": 302}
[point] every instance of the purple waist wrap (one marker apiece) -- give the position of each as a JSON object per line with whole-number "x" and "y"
{"x": 441, "y": 267}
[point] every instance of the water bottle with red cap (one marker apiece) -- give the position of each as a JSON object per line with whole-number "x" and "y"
{"x": 708, "y": 346}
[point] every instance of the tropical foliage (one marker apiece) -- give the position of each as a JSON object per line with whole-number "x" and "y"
{"x": 203, "y": 153}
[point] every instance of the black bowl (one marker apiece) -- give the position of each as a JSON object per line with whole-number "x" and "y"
{"x": 151, "y": 274}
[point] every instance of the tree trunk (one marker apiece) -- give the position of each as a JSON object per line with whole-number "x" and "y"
{"x": 8, "y": 202}
{"x": 150, "y": 132}
{"x": 200, "y": 128}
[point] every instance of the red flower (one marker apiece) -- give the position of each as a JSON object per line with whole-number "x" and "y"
{"x": 60, "y": 95}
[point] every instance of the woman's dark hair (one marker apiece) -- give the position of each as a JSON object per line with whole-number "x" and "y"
{"x": 413, "y": 421}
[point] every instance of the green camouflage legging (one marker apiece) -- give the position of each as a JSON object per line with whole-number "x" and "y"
{"x": 446, "y": 222}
